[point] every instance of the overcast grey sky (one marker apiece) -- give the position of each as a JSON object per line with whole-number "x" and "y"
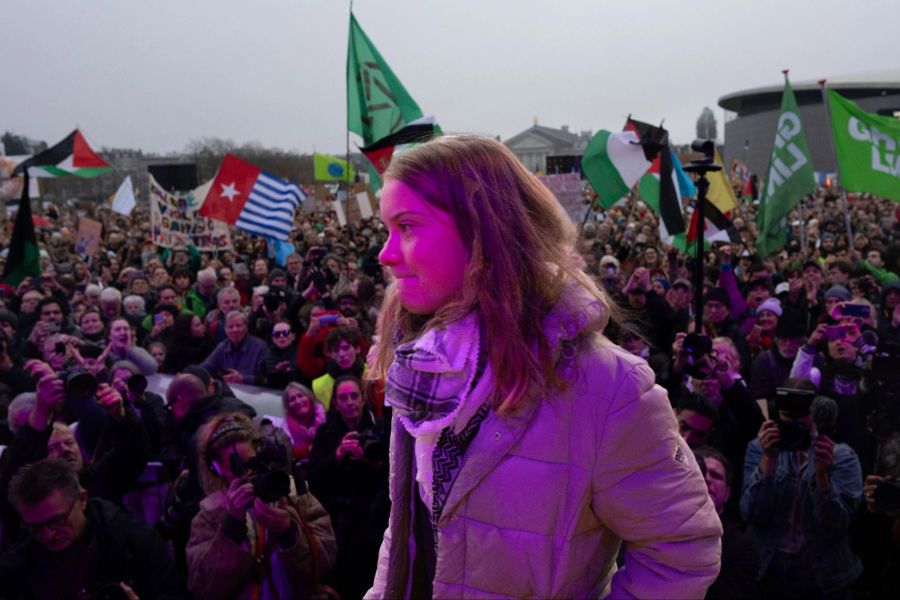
{"x": 154, "y": 74}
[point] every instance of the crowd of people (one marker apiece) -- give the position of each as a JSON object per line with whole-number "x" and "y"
{"x": 787, "y": 395}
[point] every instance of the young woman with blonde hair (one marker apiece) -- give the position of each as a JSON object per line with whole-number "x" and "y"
{"x": 525, "y": 446}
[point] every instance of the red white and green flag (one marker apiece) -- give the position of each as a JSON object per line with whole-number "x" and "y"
{"x": 72, "y": 156}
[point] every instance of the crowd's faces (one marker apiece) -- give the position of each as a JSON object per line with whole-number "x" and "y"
{"x": 424, "y": 251}
{"x": 62, "y": 444}
{"x": 681, "y": 297}
{"x": 651, "y": 258}
{"x": 56, "y": 521}
{"x": 168, "y": 296}
{"x": 298, "y": 404}
{"x": 120, "y": 333}
{"x": 198, "y": 328}
{"x": 278, "y": 282}
{"x": 725, "y": 359}
{"x": 837, "y": 277}
{"x": 110, "y": 308}
{"x": 345, "y": 354}
{"x": 333, "y": 265}
{"x": 282, "y": 336}
{"x": 236, "y": 329}
{"x": 160, "y": 277}
{"x": 132, "y": 307}
{"x": 349, "y": 401}
{"x": 226, "y": 278}
{"x": 709, "y": 388}
{"x": 788, "y": 346}
{"x": 180, "y": 258}
{"x": 260, "y": 269}
{"x": 767, "y": 321}
{"x": 294, "y": 265}
{"x": 632, "y": 344}
{"x": 892, "y": 298}
{"x": 827, "y": 244}
{"x": 140, "y": 286}
{"x": 244, "y": 450}
{"x": 347, "y": 306}
{"x": 29, "y": 302}
{"x": 228, "y": 302}
{"x": 158, "y": 352}
{"x": 7, "y": 329}
{"x": 842, "y": 350}
{"x": 92, "y": 298}
{"x": 52, "y": 313}
{"x": 163, "y": 319}
{"x": 757, "y": 296}
{"x": 637, "y": 299}
{"x": 814, "y": 275}
{"x": 91, "y": 323}
{"x": 715, "y": 311}
{"x": 694, "y": 427}
{"x": 183, "y": 283}
{"x": 717, "y": 483}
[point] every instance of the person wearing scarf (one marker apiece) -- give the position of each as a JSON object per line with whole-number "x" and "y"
{"x": 525, "y": 447}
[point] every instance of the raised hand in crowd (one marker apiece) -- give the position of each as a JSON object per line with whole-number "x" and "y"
{"x": 110, "y": 400}
{"x": 769, "y": 437}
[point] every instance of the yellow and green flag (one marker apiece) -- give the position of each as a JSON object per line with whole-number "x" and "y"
{"x": 331, "y": 168}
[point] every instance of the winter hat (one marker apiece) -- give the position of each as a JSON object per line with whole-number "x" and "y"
{"x": 773, "y": 305}
{"x": 839, "y": 292}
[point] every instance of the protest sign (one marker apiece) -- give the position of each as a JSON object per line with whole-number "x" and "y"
{"x": 175, "y": 222}
{"x": 567, "y": 189}
{"x": 87, "y": 242}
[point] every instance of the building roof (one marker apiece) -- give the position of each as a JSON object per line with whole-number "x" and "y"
{"x": 888, "y": 80}
{"x": 553, "y": 137}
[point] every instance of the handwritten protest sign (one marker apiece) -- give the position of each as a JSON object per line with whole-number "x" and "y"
{"x": 175, "y": 221}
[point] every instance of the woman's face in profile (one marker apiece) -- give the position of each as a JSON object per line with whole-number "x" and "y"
{"x": 424, "y": 251}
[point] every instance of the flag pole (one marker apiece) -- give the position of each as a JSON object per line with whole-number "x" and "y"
{"x": 799, "y": 204}
{"x": 837, "y": 167}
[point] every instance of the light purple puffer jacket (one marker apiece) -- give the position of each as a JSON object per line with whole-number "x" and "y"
{"x": 547, "y": 496}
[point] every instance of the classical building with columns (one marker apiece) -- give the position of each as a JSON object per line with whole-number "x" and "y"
{"x": 534, "y": 145}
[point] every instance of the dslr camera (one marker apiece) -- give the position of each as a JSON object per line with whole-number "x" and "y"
{"x": 268, "y": 471}
{"x": 79, "y": 383}
{"x": 698, "y": 349}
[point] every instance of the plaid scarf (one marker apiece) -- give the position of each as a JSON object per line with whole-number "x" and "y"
{"x": 435, "y": 386}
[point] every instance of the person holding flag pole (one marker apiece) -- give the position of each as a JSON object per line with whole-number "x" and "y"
{"x": 837, "y": 166}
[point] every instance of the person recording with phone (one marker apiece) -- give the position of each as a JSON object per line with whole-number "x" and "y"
{"x": 801, "y": 490}
{"x": 834, "y": 359}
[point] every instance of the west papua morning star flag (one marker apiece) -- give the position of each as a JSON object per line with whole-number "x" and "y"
{"x": 253, "y": 201}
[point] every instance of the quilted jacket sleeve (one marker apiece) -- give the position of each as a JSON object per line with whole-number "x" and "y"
{"x": 649, "y": 491}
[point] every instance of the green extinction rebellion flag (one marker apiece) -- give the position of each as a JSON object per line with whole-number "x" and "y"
{"x": 377, "y": 103}
{"x": 789, "y": 179}
{"x": 867, "y": 147}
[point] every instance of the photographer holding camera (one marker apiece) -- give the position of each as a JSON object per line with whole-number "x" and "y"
{"x": 800, "y": 493}
{"x": 253, "y": 536}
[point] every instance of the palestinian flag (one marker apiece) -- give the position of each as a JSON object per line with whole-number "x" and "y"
{"x": 23, "y": 259}
{"x": 660, "y": 186}
{"x": 417, "y": 132}
{"x": 72, "y": 156}
{"x": 718, "y": 227}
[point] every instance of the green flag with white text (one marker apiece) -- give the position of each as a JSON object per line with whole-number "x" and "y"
{"x": 867, "y": 146}
{"x": 377, "y": 103}
{"x": 790, "y": 176}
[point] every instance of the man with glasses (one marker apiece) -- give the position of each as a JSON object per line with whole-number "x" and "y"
{"x": 79, "y": 547}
